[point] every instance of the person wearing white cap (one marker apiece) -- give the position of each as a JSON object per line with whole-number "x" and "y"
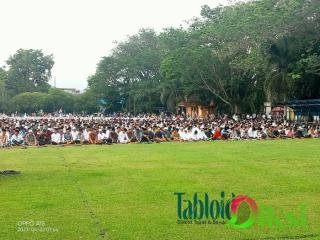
{"x": 30, "y": 139}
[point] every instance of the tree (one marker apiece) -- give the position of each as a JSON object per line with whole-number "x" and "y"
{"x": 27, "y": 102}
{"x": 128, "y": 79}
{"x": 57, "y": 99}
{"x": 3, "y": 93}
{"x": 239, "y": 55}
{"x": 86, "y": 102}
{"x": 29, "y": 71}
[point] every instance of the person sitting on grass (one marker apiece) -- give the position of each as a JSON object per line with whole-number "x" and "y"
{"x": 67, "y": 136}
{"x": 312, "y": 132}
{"x": 101, "y": 137}
{"x": 56, "y": 137}
{"x": 43, "y": 138}
{"x": 123, "y": 136}
{"x": 93, "y": 136}
{"x": 145, "y": 136}
{"x": 158, "y": 135}
{"x": 217, "y": 134}
{"x": 30, "y": 139}
{"x": 113, "y": 135}
{"x": 150, "y": 134}
{"x": 131, "y": 136}
{"x": 271, "y": 133}
{"x": 166, "y": 131}
{"x": 175, "y": 136}
{"x": 208, "y": 132}
{"x": 74, "y": 134}
{"x": 225, "y": 133}
{"x": 16, "y": 138}
{"x": 202, "y": 135}
{"x": 80, "y": 138}
{"x": 3, "y": 138}
{"x": 290, "y": 133}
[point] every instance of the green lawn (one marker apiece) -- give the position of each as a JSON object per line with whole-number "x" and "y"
{"x": 127, "y": 191}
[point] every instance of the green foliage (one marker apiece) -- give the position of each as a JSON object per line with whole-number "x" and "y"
{"x": 86, "y": 102}
{"x": 128, "y": 79}
{"x": 238, "y": 56}
{"x": 28, "y": 102}
{"x": 57, "y": 99}
{"x": 29, "y": 71}
{"x": 3, "y": 93}
{"x": 54, "y": 100}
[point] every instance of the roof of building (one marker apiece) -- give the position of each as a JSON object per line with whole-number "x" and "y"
{"x": 304, "y": 105}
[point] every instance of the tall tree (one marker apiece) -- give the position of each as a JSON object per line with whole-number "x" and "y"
{"x": 29, "y": 71}
{"x": 3, "y": 92}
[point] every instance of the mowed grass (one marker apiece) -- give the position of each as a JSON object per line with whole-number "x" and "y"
{"x": 127, "y": 191}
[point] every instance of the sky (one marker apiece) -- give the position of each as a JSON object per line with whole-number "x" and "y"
{"x": 80, "y": 32}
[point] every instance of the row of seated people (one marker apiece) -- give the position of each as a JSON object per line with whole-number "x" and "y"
{"x": 109, "y": 135}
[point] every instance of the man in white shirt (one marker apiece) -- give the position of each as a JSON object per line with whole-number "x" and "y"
{"x": 122, "y": 136}
{"x": 86, "y": 134}
{"x": 107, "y": 133}
{"x": 74, "y": 134}
{"x": 16, "y": 138}
{"x": 56, "y": 137}
{"x": 101, "y": 137}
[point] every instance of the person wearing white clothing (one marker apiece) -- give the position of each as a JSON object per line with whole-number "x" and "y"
{"x": 74, "y": 134}
{"x": 16, "y": 138}
{"x": 86, "y": 134}
{"x": 56, "y": 137}
{"x": 101, "y": 137}
{"x": 123, "y": 136}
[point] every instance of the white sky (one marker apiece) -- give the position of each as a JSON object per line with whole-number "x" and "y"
{"x": 79, "y": 32}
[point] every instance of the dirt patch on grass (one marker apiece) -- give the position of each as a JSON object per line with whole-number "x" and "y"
{"x": 9, "y": 172}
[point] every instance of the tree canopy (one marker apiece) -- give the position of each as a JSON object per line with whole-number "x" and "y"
{"x": 237, "y": 56}
{"x": 29, "y": 71}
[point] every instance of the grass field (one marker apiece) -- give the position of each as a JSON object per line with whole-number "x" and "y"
{"x": 127, "y": 191}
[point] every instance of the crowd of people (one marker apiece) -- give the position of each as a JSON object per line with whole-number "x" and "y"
{"x": 75, "y": 129}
